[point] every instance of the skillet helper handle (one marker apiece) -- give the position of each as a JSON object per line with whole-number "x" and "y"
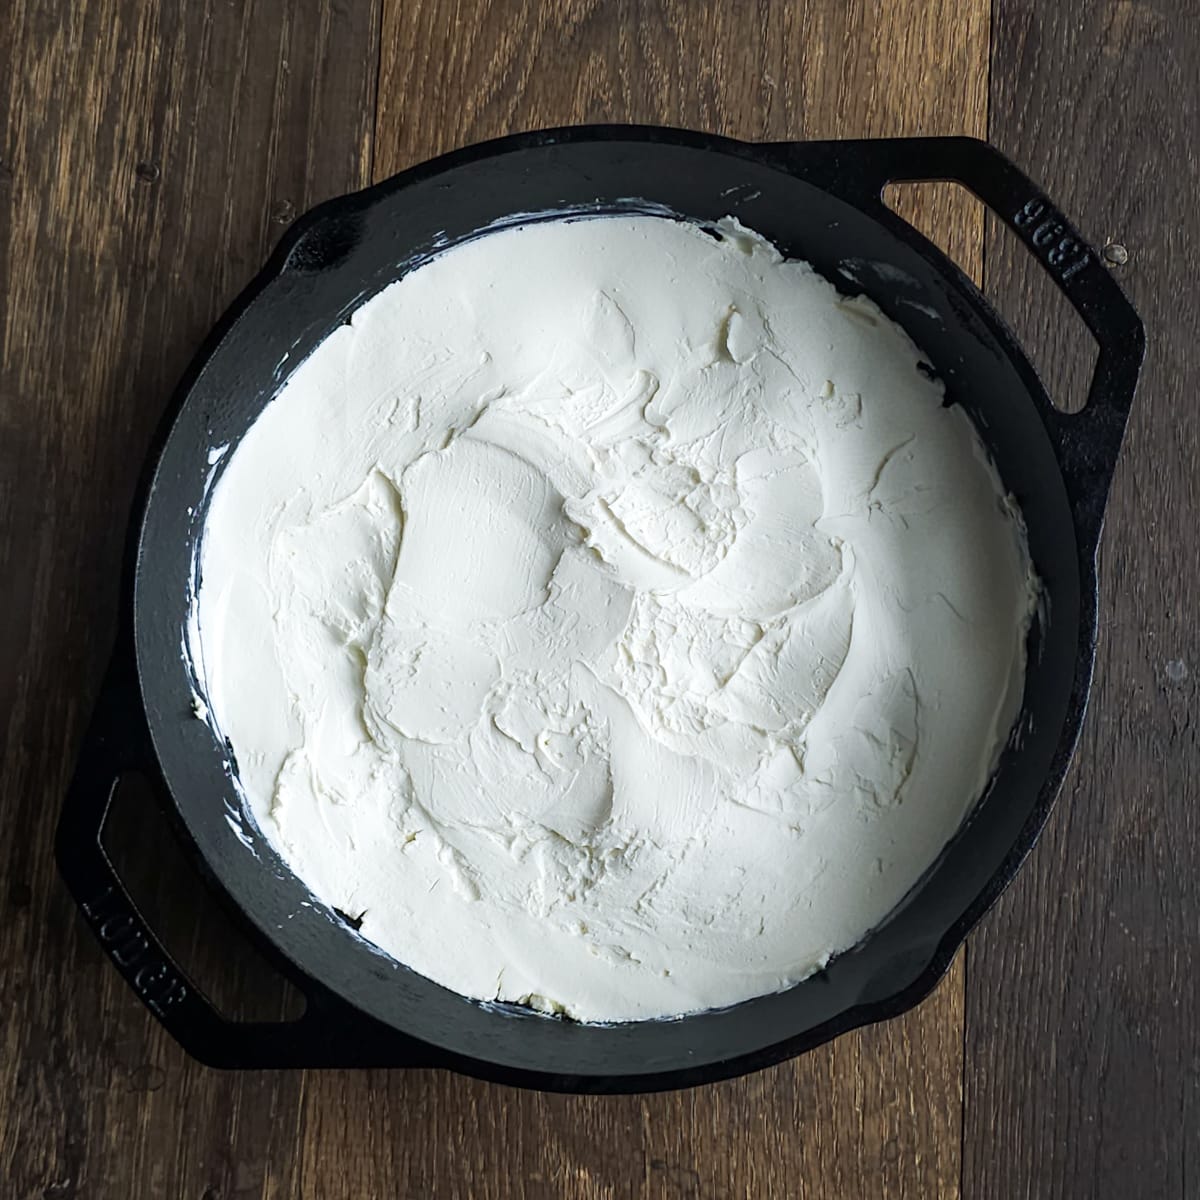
{"x": 117, "y": 743}
{"x": 1087, "y": 442}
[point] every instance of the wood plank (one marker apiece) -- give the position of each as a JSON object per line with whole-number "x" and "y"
{"x": 1083, "y": 1009}
{"x": 878, "y": 1113}
{"x": 148, "y": 155}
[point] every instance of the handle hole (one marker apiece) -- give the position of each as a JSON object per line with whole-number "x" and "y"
{"x": 1053, "y": 335}
{"x": 1055, "y": 339}
{"x": 949, "y": 215}
{"x": 196, "y": 929}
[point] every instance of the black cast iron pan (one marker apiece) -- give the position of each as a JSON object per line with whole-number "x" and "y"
{"x": 819, "y": 201}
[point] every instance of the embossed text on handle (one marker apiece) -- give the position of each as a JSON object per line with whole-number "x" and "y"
{"x": 120, "y": 932}
{"x": 1048, "y": 234}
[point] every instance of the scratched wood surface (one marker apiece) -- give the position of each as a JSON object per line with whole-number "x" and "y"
{"x": 878, "y": 1113}
{"x": 151, "y": 155}
{"x": 150, "y": 152}
{"x": 1083, "y": 1011}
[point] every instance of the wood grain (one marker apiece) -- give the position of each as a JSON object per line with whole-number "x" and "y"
{"x": 1083, "y": 1069}
{"x": 878, "y": 1113}
{"x": 151, "y": 154}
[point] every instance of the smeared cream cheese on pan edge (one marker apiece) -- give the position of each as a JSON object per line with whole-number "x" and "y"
{"x": 613, "y": 617}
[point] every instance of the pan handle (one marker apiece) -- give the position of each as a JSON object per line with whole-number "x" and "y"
{"x": 1087, "y": 442}
{"x": 329, "y": 1033}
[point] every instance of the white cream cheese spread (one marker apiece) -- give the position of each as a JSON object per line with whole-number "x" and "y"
{"x": 613, "y": 617}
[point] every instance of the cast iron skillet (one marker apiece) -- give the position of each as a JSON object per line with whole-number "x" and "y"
{"x": 819, "y": 201}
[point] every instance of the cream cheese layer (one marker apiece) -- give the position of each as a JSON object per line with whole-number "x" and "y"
{"x": 614, "y": 617}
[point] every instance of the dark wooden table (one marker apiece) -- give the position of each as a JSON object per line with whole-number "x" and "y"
{"x": 150, "y": 156}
